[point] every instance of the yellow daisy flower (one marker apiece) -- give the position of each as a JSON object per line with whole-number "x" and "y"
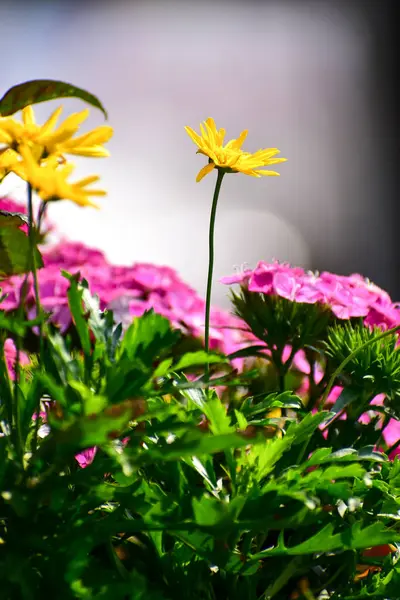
{"x": 231, "y": 158}
{"x": 45, "y": 139}
{"x": 49, "y": 180}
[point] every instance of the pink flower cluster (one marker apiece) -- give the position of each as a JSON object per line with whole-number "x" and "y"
{"x": 127, "y": 290}
{"x": 347, "y": 296}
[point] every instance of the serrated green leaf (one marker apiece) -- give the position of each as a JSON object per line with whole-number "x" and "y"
{"x": 42, "y": 90}
{"x": 300, "y": 432}
{"x": 148, "y": 337}
{"x": 216, "y": 413}
{"x": 325, "y": 455}
{"x": 354, "y": 538}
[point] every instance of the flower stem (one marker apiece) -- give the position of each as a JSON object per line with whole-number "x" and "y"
{"x": 33, "y": 235}
{"x": 211, "y": 266}
{"x": 32, "y": 240}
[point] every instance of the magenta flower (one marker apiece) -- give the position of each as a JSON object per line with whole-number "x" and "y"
{"x": 391, "y": 434}
{"x": 127, "y": 290}
{"x": 10, "y": 355}
{"x": 86, "y": 457}
{"x": 73, "y": 254}
{"x": 347, "y": 296}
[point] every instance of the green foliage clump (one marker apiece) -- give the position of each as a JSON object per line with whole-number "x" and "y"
{"x": 187, "y": 496}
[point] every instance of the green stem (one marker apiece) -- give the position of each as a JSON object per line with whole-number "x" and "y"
{"x": 350, "y": 357}
{"x": 15, "y": 423}
{"x": 211, "y": 266}
{"x": 41, "y": 213}
{"x": 32, "y": 239}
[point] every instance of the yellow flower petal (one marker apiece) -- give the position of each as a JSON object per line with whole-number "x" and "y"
{"x": 88, "y": 180}
{"x": 236, "y": 144}
{"x": 92, "y": 151}
{"x": 221, "y": 136}
{"x": 204, "y": 132}
{"x": 28, "y": 116}
{"x": 97, "y": 136}
{"x": 49, "y": 125}
{"x": 5, "y": 137}
{"x": 211, "y": 123}
{"x": 50, "y": 180}
{"x": 195, "y": 137}
{"x": 8, "y": 157}
{"x": 275, "y": 161}
{"x": 204, "y": 171}
{"x": 268, "y": 173}
{"x": 265, "y": 153}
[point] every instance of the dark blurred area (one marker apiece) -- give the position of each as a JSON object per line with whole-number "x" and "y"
{"x": 318, "y": 79}
{"x": 369, "y": 240}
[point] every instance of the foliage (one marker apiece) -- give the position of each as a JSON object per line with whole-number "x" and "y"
{"x": 185, "y": 497}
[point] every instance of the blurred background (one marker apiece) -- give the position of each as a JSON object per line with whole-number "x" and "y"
{"x": 314, "y": 78}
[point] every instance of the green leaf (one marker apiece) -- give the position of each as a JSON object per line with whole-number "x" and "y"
{"x": 147, "y": 337}
{"x": 191, "y": 359}
{"x": 336, "y": 472}
{"x": 12, "y": 219}
{"x": 33, "y": 392}
{"x": 220, "y": 422}
{"x": 15, "y": 252}
{"x": 300, "y": 432}
{"x": 284, "y": 400}
{"x": 297, "y": 433}
{"x": 209, "y": 511}
{"x": 196, "y": 396}
{"x": 42, "y": 90}
{"x": 195, "y": 445}
{"x": 163, "y": 368}
{"x": 97, "y": 323}
{"x": 92, "y": 403}
{"x": 255, "y": 350}
{"x": 75, "y": 293}
{"x": 346, "y": 397}
{"x": 354, "y": 538}
{"x": 206, "y": 469}
{"x": 91, "y": 430}
{"x": 6, "y": 392}
{"x": 17, "y": 326}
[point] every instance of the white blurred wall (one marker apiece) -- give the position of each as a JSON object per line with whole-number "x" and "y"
{"x": 294, "y": 74}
